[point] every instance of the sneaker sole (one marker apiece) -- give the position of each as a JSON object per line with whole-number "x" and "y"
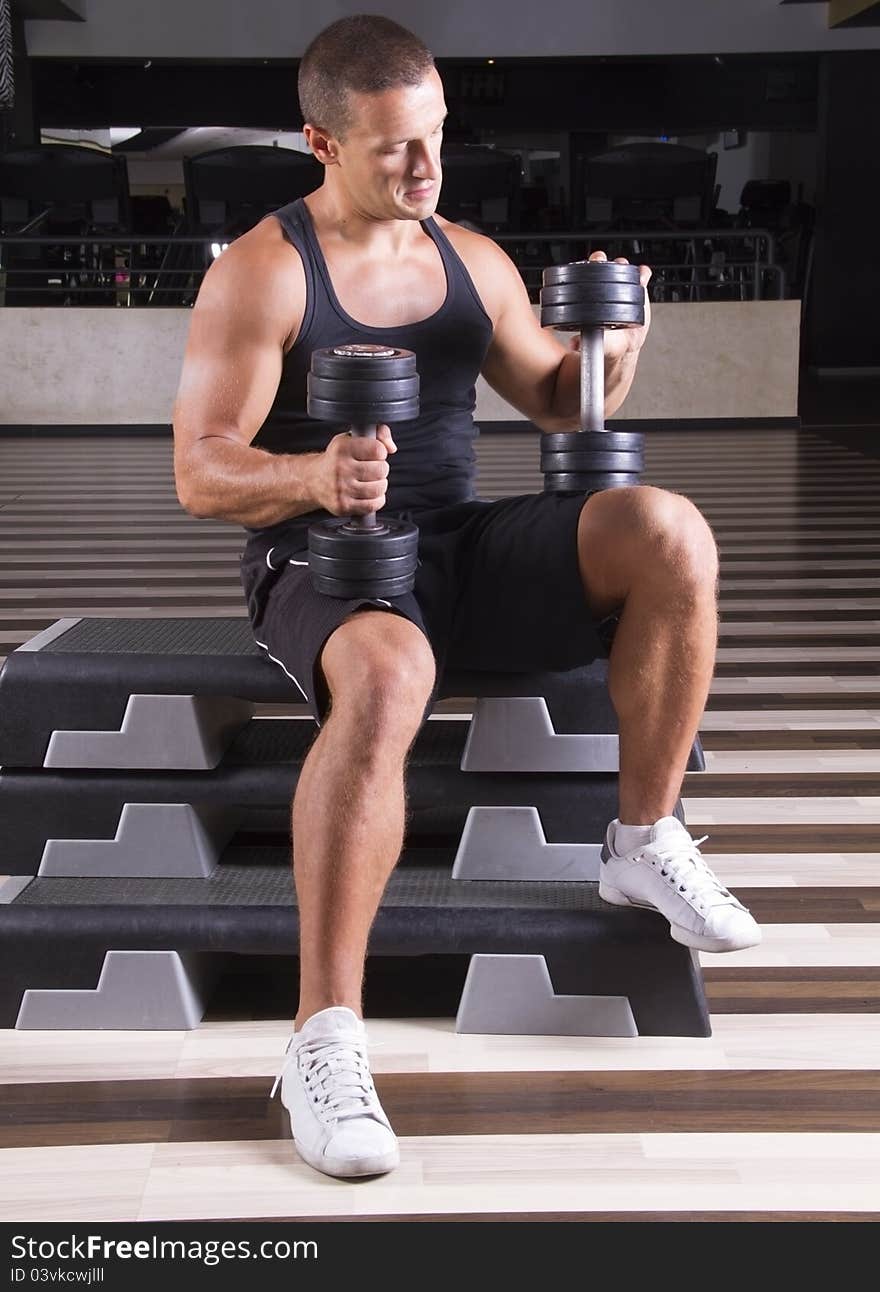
{"x": 686, "y": 937}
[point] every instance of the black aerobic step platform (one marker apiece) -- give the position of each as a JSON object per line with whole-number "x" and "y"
{"x": 80, "y": 674}
{"x": 248, "y": 907}
{"x": 255, "y": 781}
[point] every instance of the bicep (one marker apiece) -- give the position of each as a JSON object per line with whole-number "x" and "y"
{"x": 234, "y": 355}
{"x": 523, "y": 358}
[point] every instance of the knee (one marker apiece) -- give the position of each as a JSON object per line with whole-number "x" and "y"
{"x": 687, "y": 535}
{"x": 661, "y": 528}
{"x": 380, "y": 671}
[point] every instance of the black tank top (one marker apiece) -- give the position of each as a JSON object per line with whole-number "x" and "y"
{"x": 434, "y": 464}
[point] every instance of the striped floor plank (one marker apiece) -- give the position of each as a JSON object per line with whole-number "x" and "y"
{"x": 773, "y": 1116}
{"x": 453, "y": 1103}
{"x": 824, "y": 1172}
{"x": 755, "y": 1040}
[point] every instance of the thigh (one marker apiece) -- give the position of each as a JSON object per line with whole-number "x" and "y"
{"x": 521, "y": 604}
{"x": 292, "y": 623}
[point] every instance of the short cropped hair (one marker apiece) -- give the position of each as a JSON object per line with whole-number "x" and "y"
{"x": 365, "y": 54}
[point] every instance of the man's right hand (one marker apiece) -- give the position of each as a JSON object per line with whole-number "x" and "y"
{"x": 350, "y": 477}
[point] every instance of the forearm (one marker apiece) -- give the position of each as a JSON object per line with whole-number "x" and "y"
{"x": 619, "y": 374}
{"x": 565, "y": 413}
{"x": 225, "y": 480}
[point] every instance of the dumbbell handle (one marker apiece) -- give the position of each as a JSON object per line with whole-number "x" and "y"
{"x": 592, "y": 379}
{"x": 370, "y": 520}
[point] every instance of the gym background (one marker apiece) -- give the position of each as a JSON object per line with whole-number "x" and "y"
{"x": 674, "y": 118}
{"x": 733, "y": 145}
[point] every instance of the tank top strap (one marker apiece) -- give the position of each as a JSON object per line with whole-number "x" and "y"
{"x": 456, "y": 270}
{"x": 297, "y": 227}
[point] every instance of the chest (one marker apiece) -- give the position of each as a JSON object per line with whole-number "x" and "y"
{"x": 388, "y": 292}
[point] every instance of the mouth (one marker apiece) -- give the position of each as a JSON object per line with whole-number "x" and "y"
{"x": 420, "y": 193}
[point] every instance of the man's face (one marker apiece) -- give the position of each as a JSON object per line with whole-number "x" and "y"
{"x": 390, "y": 158}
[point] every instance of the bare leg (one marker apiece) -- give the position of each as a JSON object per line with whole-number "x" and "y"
{"x": 348, "y": 810}
{"x": 665, "y": 574}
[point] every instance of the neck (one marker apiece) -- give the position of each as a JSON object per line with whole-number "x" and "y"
{"x": 335, "y": 215}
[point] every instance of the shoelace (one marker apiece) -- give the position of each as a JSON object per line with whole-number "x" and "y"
{"x": 336, "y": 1075}
{"x": 683, "y": 860}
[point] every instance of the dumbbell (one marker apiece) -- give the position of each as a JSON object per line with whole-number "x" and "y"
{"x": 364, "y": 385}
{"x": 587, "y": 297}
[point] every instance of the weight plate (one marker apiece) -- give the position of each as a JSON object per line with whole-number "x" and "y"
{"x": 330, "y": 538}
{"x": 348, "y": 391}
{"x": 591, "y": 441}
{"x": 590, "y": 271}
{"x": 582, "y": 314}
{"x": 363, "y": 362}
{"x": 363, "y": 413}
{"x": 578, "y": 482}
{"x": 556, "y": 462}
{"x": 351, "y": 566}
{"x": 616, "y": 293}
{"x": 349, "y": 588}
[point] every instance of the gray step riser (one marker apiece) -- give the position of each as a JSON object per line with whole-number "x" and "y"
{"x": 183, "y": 731}
{"x": 192, "y": 733}
{"x": 171, "y": 841}
{"x": 167, "y": 990}
{"x": 514, "y": 996}
{"x": 115, "y": 659}
{"x": 36, "y": 807}
{"x": 144, "y": 990}
{"x": 624, "y": 954}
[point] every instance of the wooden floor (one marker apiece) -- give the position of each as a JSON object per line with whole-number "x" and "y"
{"x": 776, "y": 1116}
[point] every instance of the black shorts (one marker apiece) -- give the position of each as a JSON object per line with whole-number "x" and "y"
{"x": 498, "y": 588}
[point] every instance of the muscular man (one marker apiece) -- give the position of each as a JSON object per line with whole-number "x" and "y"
{"x": 519, "y": 584}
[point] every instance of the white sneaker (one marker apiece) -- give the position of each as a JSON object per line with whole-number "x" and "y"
{"x": 668, "y": 874}
{"x": 338, "y": 1124}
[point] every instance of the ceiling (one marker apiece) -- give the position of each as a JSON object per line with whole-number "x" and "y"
{"x": 173, "y": 144}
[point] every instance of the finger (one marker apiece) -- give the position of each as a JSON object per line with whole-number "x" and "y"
{"x": 384, "y": 433}
{"x": 645, "y": 275}
{"x": 598, "y": 255}
{"x": 366, "y": 490}
{"x": 355, "y": 508}
{"x": 366, "y": 448}
{"x": 371, "y": 471}
{"x": 621, "y": 260}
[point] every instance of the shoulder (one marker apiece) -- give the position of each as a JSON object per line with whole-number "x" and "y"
{"x": 494, "y": 274}
{"x": 266, "y": 251}
{"x": 261, "y": 270}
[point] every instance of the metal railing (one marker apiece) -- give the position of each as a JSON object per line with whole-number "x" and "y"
{"x": 102, "y": 269}
{"x": 118, "y": 270}
{"x": 687, "y": 264}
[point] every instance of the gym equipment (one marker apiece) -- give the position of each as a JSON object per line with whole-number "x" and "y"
{"x": 146, "y": 812}
{"x": 365, "y": 385}
{"x": 587, "y": 297}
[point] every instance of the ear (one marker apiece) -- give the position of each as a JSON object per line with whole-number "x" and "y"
{"x": 322, "y": 144}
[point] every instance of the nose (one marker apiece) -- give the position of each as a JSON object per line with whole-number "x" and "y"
{"x": 426, "y": 163}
